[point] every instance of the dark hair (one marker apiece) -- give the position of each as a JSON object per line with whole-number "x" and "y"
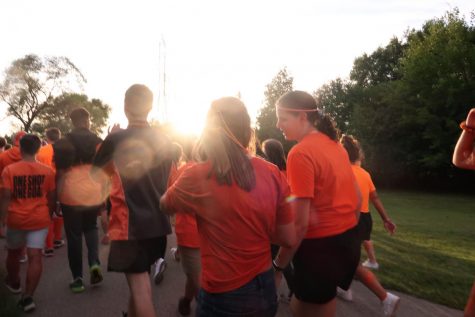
{"x": 352, "y": 146}
{"x": 274, "y": 153}
{"x": 79, "y": 117}
{"x": 226, "y": 135}
{"x": 53, "y": 134}
{"x": 3, "y": 142}
{"x": 8, "y": 146}
{"x": 301, "y": 100}
{"x": 30, "y": 144}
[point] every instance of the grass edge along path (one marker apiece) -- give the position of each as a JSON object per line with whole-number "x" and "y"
{"x": 432, "y": 254}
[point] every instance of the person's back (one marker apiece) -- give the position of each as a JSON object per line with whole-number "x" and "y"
{"x": 139, "y": 163}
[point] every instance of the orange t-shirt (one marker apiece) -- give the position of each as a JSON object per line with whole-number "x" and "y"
{"x": 365, "y": 184}
{"x": 29, "y": 183}
{"x": 235, "y": 226}
{"x": 8, "y": 157}
{"x": 45, "y": 156}
{"x": 186, "y": 229}
{"x": 319, "y": 168}
{"x": 79, "y": 189}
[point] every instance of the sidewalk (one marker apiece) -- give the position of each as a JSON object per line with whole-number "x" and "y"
{"x": 53, "y": 297}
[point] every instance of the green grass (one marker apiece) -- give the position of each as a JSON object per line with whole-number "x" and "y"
{"x": 432, "y": 254}
{"x": 7, "y": 301}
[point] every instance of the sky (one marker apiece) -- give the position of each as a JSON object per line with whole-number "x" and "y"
{"x": 210, "y": 48}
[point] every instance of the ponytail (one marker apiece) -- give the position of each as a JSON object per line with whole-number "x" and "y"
{"x": 327, "y": 126}
{"x": 352, "y": 146}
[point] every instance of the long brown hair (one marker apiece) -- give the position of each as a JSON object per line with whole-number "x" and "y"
{"x": 300, "y": 100}
{"x": 224, "y": 141}
{"x": 352, "y": 146}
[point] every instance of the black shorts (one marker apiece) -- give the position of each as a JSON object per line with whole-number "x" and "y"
{"x": 365, "y": 226}
{"x": 320, "y": 265}
{"x": 135, "y": 256}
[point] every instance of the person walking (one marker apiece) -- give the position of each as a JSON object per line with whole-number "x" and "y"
{"x": 389, "y": 301}
{"x": 326, "y": 203}
{"x": 28, "y": 196}
{"x": 81, "y": 198}
{"x": 138, "y": 162}
{"x": 240, "y": 204}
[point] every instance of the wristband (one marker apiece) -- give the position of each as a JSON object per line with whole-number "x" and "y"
{"x": 463, "y": 126}
{"x": 276, "y": 267}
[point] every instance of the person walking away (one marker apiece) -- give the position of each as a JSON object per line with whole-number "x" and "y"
{"x": 28, "y": 196}
{"x": 240, "y": 204}
{"x": 138, "y": 162}
{"x": 54, "y": 239}
{"x": 81, "y": 198}
{"x": 389, "y": 301}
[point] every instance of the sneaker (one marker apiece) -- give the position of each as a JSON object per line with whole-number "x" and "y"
{"x": 77, "y": 285}
{"x": 48, "y": 252}
{"x": 160, "y": 268}
{"x": 24, "y": 259}
{"x": 184, "y": 306}
{"x": 13, "y": 288}
{"x": 345, "y": 295}
{"x": 370, "y": 265}
{"x": 27, "y": 304}
{"x": 390, "y": 305}
{"x": 58, "y": 243}
{"x": 175, "y": 254}
{"x": 96, "y": 274}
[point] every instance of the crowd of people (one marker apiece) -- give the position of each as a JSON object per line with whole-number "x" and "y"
{"x": 243, "y": 220}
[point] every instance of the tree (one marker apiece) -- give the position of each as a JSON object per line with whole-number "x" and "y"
{"x": 267, "y": 119}
{"x": 31, "y": 83}
{"x": 61, "y": 106}
{"x": 334, "y": 99}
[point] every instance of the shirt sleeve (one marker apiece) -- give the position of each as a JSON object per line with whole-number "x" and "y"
{"x": 372, "y": 188}
{"x": 301, "y": 175}
{"x": 104, "y": 155}
{"x": 184, "y": 195}
{"x": 285, "y": 214}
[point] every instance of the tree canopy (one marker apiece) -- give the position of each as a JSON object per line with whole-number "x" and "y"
{"x": 31, "y": 83}
{"x": 61, "y": 106}
{"x": 267, "y": 119}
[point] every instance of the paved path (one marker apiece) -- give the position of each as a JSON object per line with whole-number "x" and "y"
{"x": 54, "y": 299}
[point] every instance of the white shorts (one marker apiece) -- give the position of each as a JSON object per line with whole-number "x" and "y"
{"x": 33, "y": 239}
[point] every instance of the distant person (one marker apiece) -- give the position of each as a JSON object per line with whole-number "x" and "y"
{"x": 9, "y": 156}
{"x": 326, "y": 203}
{"x": 54, "y": 239}
{"x": 81, "y": 198}
{"x": 390, "y": 302}
{"x": 273, "y": 152}
{"x": 138, "y": 161}
{"x": 240, "y": 204}
{"x": 464, "y": 157}
{"x": 187, "y": 237}
{"x": 3, "y": 142}
{"x": 28, "y": 196}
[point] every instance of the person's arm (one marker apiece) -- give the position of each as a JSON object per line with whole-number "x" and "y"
{"x": 51, "y": 197}
{"x": 388, "y": 224}
{"x": 464, "y": 153}
{"x": 4, "y": 202}
{"x": 301, "y": 208}
{"x": 164, "y": 206}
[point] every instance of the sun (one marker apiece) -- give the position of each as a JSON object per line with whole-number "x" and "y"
{"x": 188, "y": 124}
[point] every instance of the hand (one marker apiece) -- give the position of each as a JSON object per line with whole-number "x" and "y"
{"x": 389, "y": 226}
{"x": 278, "y": 278}
{"x": 58, "y": 212}
{"x": 470, "y": 122}
{"x": 115, "y": 128}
